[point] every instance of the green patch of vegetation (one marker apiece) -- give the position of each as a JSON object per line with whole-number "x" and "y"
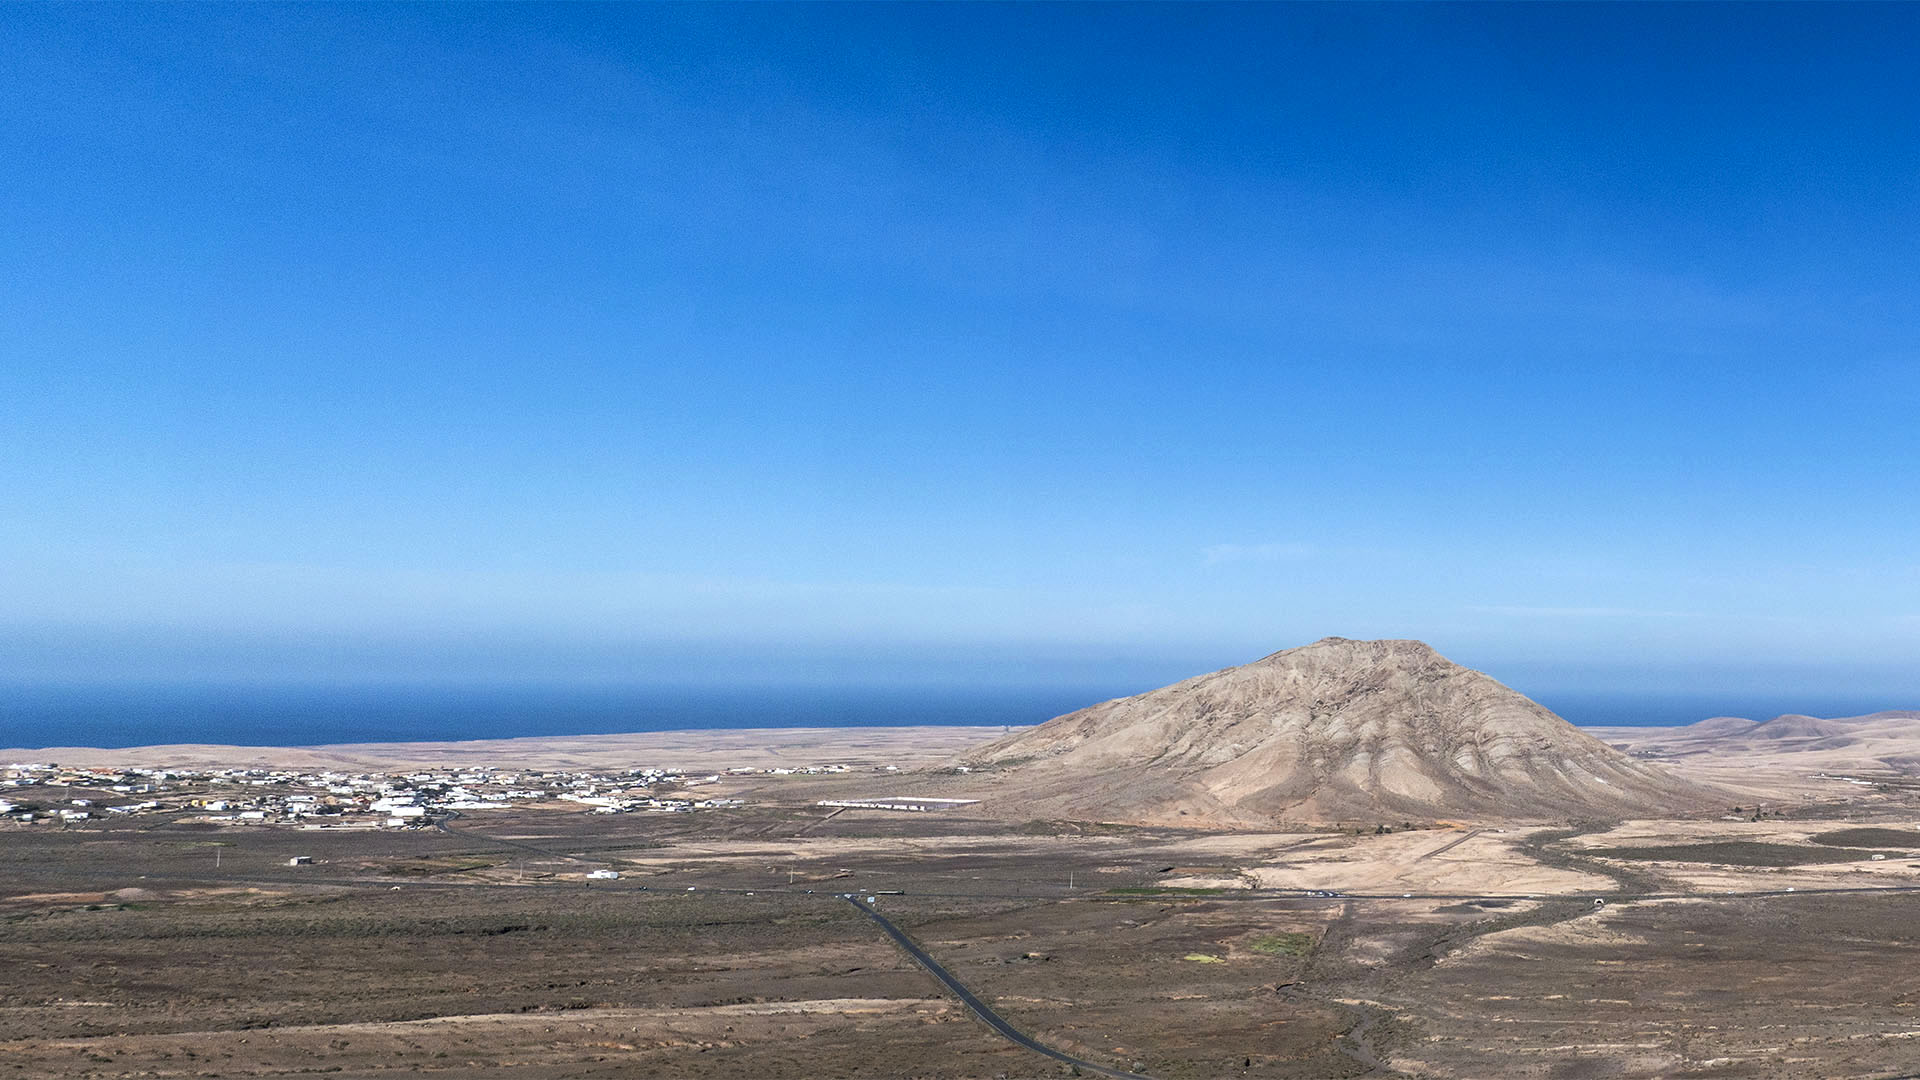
{"x": 1203, "y": 958}
{"x": 1282, "y": 944}
{"x": 1867, "y": 837}
{"x": 1163, "y": 890}
{"x": 1740, "y": 853}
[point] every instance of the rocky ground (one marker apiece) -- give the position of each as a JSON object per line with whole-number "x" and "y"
{"x": 124, "y": 952}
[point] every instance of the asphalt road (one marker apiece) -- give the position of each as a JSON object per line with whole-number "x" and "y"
{"x": 980, "y": 1008}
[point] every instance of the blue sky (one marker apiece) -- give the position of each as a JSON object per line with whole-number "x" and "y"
{"x": 938, "y": 343}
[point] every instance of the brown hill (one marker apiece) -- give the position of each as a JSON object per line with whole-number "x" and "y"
{"x": 1797, "y": 726}
{"x": 1882, "y": 740}
{"x": 1716, "y": 726}
{"x": 1340, "y": 730}
{"x": 1870, "y": 745}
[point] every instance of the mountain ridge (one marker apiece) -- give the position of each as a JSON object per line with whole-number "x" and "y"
{"x": 1337, "y": 730}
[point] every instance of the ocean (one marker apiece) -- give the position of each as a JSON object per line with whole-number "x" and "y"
{"x": 292, "y": 715}
{"x": 289, "y": 715}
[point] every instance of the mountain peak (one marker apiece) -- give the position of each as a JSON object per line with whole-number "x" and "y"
{"x": 1340, "y": 729}
{"x": 1376, "y": 650}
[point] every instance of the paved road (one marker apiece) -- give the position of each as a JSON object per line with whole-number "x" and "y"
{"x": 980, "y": 1008}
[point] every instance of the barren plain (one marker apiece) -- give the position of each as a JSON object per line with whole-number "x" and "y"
{"x": 1781, "y": 939}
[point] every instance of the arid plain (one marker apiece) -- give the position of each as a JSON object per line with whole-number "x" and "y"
{"x": 1774, "y": 935}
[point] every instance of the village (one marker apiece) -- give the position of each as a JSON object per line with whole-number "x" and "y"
{"x": 39, "y": 793}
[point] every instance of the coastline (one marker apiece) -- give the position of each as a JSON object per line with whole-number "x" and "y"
{"x": 904, "y": 745}
{"x": 696, "y": 748}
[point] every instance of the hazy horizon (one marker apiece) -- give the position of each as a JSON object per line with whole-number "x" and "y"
{"x": 393, "y": 393}
{"x": 998, "y": 347}
{"x": 312, "y": 713}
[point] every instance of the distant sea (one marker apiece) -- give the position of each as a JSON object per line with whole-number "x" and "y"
{"x": 120, "y": 715}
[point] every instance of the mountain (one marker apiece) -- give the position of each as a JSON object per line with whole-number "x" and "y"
{"x": 1716, "y": 726}
{"x": 1339, "y": 730}
{"x": 1799, "y": 726}
{"x": 1875, "y": 745}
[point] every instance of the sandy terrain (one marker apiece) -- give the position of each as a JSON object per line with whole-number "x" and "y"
{"x": 1734, "y": 856}
{"x": 168, "y": 946}
{"x": 578, "y": 1042}
{"x": 1483, "y": 862}
{"x": 907, "y": 747}
{"x": 124, "y": 952}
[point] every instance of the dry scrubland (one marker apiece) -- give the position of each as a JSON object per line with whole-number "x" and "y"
{"x": 1489, "y": 893}
{"x": 124, "y": 953}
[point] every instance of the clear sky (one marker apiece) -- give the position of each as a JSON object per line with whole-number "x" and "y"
{"x": 901, "y": 344}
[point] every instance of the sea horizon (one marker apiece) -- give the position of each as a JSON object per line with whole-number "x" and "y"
{"x": 115, "y": 716}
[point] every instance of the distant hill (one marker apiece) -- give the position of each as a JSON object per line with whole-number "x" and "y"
{"x": 1796, "y": 726}
{"x": 1339, "y": 730}
{"x": 1791, "y": 731}
{"x": 1716, "y": 726}
{"x": 1878, "y": 742}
